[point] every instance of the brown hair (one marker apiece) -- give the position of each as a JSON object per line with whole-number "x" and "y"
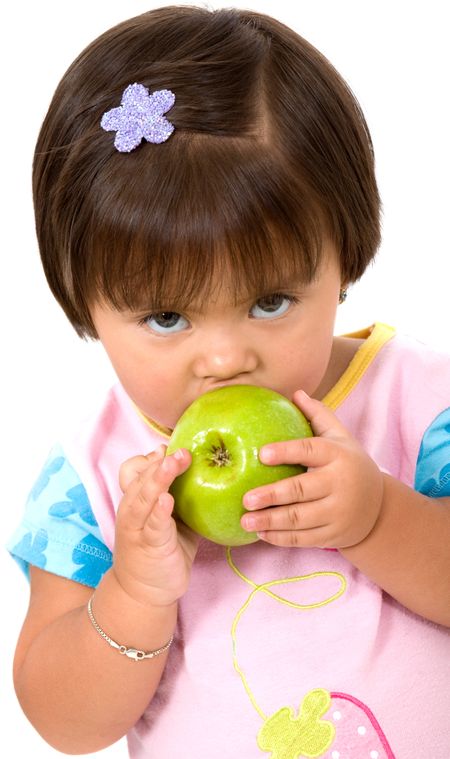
{"x": 270, "y": 152}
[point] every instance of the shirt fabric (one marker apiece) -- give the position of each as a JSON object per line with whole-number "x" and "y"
{"x": 278, "y": 652}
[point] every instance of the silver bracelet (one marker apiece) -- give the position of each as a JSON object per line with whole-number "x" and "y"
{"x": 132, "y": 653}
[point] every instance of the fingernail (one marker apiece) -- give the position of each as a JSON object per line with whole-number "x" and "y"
{"x": 165, "y": 465}
{"x": 251, "y": 499}
{"x": 178, "y": 455}
{"x": 266, "y": 455}
{"x": 249, "y": 522}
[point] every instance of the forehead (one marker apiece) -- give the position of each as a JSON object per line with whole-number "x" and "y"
{"x": 229, "y": 286}
{"x": 221, "y": 285}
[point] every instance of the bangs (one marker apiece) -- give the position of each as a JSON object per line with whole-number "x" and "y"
{"x": 171, "y": 225}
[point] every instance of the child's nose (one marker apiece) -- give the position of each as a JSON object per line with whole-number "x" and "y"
{"x": 226, "y": 356}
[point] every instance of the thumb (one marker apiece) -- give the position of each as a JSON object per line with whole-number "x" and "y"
{"x": 323, "y": 422}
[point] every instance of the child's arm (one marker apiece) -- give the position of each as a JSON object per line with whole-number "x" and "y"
{"x": 395, "y": 535}
{"x": 407, "y": 551}
{"x": 79, "y": 692}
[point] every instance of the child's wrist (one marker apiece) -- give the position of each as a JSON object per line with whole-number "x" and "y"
{"x": 139, "y": 592}
{"x": 125, "y": 650}
{"x": 146, "y": 626}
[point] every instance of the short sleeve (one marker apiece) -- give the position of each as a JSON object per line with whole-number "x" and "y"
{"x": 433, "y": 462}
{"x": 59, "y": 532}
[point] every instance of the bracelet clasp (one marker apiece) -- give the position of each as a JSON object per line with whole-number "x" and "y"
{"x": 132, "y": 653}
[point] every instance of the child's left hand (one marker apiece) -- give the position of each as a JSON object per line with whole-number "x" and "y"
{"x": 335, "y": 504}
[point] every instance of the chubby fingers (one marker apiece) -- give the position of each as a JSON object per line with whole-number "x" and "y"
{"x": 301, "y": 488}
{"x": 308, "y": 451}
{"x": 311, "y": 452}
{"x": 291, "y": 524}
{"x": 323, "y": 422}
{"x": 299, "y": 503}
{"x": 147, "y": 494}
{"x": 132, "y": 468}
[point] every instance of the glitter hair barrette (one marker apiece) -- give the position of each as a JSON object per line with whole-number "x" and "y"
{"x": 140, "y": 116}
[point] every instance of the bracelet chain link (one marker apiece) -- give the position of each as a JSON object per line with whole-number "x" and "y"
{"x": 132, "y": 653}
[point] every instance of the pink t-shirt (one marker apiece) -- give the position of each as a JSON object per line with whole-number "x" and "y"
{"x": 284, "y": 652}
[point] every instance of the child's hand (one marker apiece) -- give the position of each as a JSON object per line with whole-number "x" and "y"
{"x": 153, "y": 555}
{"x": 335, "y": 504}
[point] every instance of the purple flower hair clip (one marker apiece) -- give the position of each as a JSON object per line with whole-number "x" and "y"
{"x": 140, "y": 116}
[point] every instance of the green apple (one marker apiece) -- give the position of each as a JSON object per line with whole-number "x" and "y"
{"x": 224, "y": 430}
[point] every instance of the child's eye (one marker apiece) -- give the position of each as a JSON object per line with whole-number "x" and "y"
{"x": 165, "y": 322}
{"x": 272, "y": 305}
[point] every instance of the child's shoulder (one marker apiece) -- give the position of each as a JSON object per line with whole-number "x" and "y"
{"x": 393, "y": 360}
{"x": 383, "y": 365}
{"x": 406, "y": 377}
{"x": 418, "y": 350}
{"x": 395, "y": 391}
{"x": 417, "y": 370}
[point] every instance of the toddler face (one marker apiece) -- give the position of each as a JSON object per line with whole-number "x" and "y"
{"x": 282, "y": 340}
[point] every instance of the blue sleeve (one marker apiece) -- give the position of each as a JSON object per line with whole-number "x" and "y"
{"x": 433, "y": 463}
{"x": 59, "y": 532}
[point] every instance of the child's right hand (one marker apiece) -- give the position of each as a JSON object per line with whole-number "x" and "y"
{"x": 153, "y": 554}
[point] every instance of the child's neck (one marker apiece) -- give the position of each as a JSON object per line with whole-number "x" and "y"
{"x": 344, "y": 348}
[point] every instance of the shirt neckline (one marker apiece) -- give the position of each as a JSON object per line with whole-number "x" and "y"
{"x": 375, "y": 337}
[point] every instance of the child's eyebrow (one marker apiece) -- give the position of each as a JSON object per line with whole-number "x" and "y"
{"x": 238, "y": 297}
{"x": 249, "y": 298}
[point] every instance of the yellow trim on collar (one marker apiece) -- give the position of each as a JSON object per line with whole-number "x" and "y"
{"x": 164, "y": 431}
{"x": 374, "y": 338}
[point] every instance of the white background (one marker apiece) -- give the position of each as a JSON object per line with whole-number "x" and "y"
{"x": 394, "y": 55}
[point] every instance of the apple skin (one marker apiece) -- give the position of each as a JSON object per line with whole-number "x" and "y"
{"x": 224, "y": 430}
